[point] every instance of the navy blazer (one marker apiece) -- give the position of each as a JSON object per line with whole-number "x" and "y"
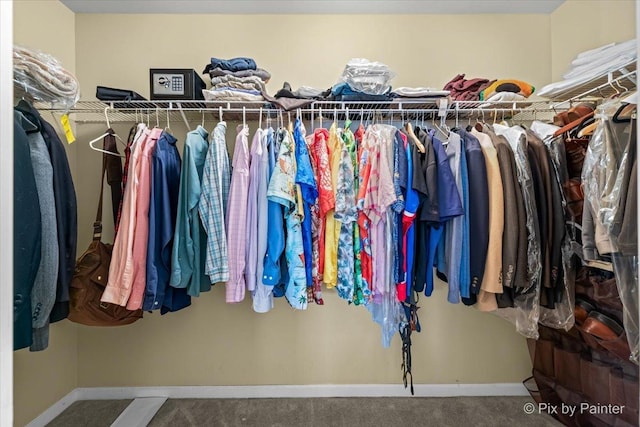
{"x": 66, "y": 210}
{"x": 27, "y": 235}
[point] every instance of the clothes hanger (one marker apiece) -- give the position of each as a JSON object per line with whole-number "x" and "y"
{"x": 220, "y": 115}
{"x": 106, "y": 118}
{"x": 260, "y": 119}
{"x": 101, "y": 137}
{"x": 244, "y": 117}
{"x": 168, "y": 127}
{"x": 624, "y": 113}
{"x": 587, "y": 127}
{"x": 409, "y": 129}
{"x": 347, "y": 120}
{"x": 572, "y": 125}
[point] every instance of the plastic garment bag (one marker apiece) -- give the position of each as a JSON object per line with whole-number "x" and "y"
{"x": 610, "y": 188}
{"x": 625, "y": 268}
{"x": 561, "y": 317}
{"x": 607, "y": 165}
{"x": 526, "y": 311}
{"x": 41, "y": 77}
{"x": 362, "y": 75}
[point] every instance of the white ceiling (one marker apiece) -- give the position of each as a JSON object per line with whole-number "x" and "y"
{"x": 314, "y": 6}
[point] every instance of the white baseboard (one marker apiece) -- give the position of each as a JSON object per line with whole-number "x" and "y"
{"x": 56, "y": 409}
{"x": 278, "y": 391}
{"x": 315, "y": 390}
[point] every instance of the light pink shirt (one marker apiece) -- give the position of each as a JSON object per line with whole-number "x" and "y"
{"x": 237, "y": 217}
{"x": 141, "y": 231}
{"x": 120, "y": 279}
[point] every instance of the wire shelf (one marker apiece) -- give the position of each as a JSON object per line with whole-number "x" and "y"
{"x": 193, "y": 112}
{"x": 604, "y": 86}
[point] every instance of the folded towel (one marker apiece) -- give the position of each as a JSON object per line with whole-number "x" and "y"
{"x": 419, "y": 92}
{"x": 230, "y": 95}
{"x": 233, "y": 64}
{"x": 264, "y": 75}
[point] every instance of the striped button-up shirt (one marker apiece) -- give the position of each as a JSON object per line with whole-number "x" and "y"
{"x": 213, "y": 201}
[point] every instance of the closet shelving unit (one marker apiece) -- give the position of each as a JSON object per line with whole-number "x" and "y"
{"x": 192, "y": 112}
{"x": 600, "y": 87}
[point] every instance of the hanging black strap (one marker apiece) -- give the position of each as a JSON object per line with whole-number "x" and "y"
{"x": 114, "y": 170}
{"x": 97, "y": 225}
{"x": 405, "y": 334}
{"x": 413, "y": 324}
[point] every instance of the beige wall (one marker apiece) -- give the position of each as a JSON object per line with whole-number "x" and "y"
{"x": 579, "y": 25}
{"x": 312, "y": 50}
{"x": 43, "y": 378}
{"x": 213, "y": 343}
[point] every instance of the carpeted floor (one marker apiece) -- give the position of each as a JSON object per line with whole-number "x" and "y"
{"x": 348, "y": 412}
{"x": 90, "y": 413}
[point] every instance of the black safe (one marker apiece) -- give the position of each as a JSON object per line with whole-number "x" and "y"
{"x": 175, "y": 84}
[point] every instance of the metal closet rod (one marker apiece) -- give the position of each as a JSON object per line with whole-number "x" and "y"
{"x": 327, "y": 111}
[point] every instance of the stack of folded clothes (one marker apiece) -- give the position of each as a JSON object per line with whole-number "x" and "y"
{"x": 480, "y": 89}
{"x": 236, "y": 79}
{"x": 591, "y": 65}
{"x": 467, "y": 90}
{"x": 289, "y": 99}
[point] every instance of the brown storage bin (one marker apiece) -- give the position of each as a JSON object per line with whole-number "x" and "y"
{"x": 571, "y": 398}
{"x": 629, "y": 417}
{"x": 534, "y": 391}
{"x": 595, "y": 420}
{"x": 567, "y": 369}
{"x": 616, "y": 388}
{"x": 546, "y": 388}
{"x": 543, "y": 359}
{"x": 620, "y": 422}
{"x": 630, "y": 393}
{"x": 595, "y": 381}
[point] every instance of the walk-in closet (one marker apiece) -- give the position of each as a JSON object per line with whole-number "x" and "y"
{"x": 319, "y": 213}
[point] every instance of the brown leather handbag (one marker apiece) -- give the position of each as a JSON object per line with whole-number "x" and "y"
{"x": 90, "y": 279}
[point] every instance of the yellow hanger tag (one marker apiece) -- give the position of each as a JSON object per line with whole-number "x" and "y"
{"x": 68, "y": 133}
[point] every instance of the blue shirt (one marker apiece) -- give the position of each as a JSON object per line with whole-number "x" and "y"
{"x": 163, "y": 205}
{"x": 275, "y": 232}
{"x": 449, "y": 202}
{"x": 465, "y": 266}
{"x": 189, "y": 246}
{"x": 449, "y": 205}
{"x": 309, "y": 190}
{"x": 410, "y": 208}
{"x": 400, "y": 186}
